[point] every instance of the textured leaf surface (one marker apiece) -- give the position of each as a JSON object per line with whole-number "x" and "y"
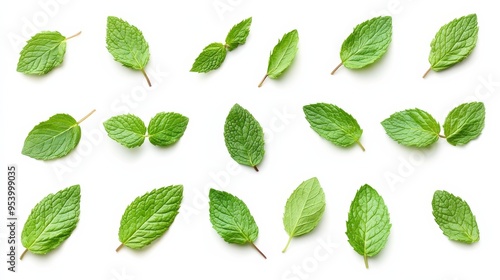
{"x": 128, "y": 130}
{"x": 413, "y": 127}
{"x": 464, "y": 123}
{"x": 165, "y": 129}
{"x": 283, "y": 54}
{"x": 42, "y": 53}
{"x": 238, "y": 34}
{"x": 210, "y": 58}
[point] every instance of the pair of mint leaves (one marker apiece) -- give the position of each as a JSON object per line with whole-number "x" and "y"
{"x": 164, "y": 129}
{"x": 125, "y": 42}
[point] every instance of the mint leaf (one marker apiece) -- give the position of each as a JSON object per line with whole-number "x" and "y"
{"x": 43, "y": 52}
{"x": 368, "y": 224}
{"x": 210, "y": 58}
{"x": 53, "y": 138}
{"x": 454, "y": 217}
{"x": 128, "y": 130}
{"x": 366, "y": 44}
{"x": 333, "y": 124}
{"x": 231, "y": 219}
{"x": 304, "y": 209}
{"x": 244, "y": 137}
{"x": 412, "y": 127}
{"x": 282, "y": 55}
{"x": 464, "y": 123}
{"x": 165, "y": 129}
{"x": 238, "y": 34}
{"x": 453, "y": 43}
{"x": 127, "y": 45}
{"x": 149, "y": 216}
{"x": 51, "y": 221}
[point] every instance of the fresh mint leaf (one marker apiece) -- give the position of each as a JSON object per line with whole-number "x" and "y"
{"x": 238, "y": 34}
{"x": 165, "y": 129}
{"x": 244, "y": 137}
{"x": 128, "y": 130}
{"x": 127, "y": 45}
{"x": 453, "y": 43}
{"x": 304, "y": 209}
{"x": 333, "y": 124}
{"x": 413, "y": 127}
{"x": 464, "y": 123}
{"x": 454, "y": 217}
{"x": 231, "y": 219}
{"x": 149, "y": 216}
{"x": 51, "y": 221}
{"x": 210, "y": 58}
{"x": 282, "y": 55}
{"x": 53, "y": 138}
{"x": 368, "y": 224}
{"x": 366, "y": 44}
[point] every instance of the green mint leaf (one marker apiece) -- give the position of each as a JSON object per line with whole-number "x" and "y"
{"x": 149, "y": 216}
{"x": 244, "y": 137}
{"x": 333, "y": 124}
{"x": 238, "y": 34}
{"x": 453, "y": 43}
{"x": 51, "y": 221}
{"x": 42, "y": 53}
{"x": 128, "y": 130}
{"x": 282, "y": 55}
{"x": 464, "y": 123}
{"x": 210, "y": 58}
{"x": 53, "y": 138}
{"x": 413, "y": 127}
{"x": 454, "y": 217}
{"x": 366, "y": 44}
{"x": 165, "y": 129}
{"x": 127, "y": 45}
{"x": 231, "y": 219}
{"x": 304, "y": 209}
{"x": 368, "y": 224}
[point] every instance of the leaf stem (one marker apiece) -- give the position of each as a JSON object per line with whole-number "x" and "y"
{"x": 73, "y": 36}
{"x": 442, "y": 136}
{"x": 361, "y": 145}
{"x": 146, "y": 76}
{"x": 255, "y": 167}
{"x": 22, "y": 255}
{"x": 288, "y": 243}
{"x": 119, "y": 247}
{"x": 84, "y": 118}
{"x": 336, "y": 68}
{"x": 263, "y": 79}
{"x": 366, "y": 261}
{"x": 427, "y": 72}
{"x": 260, "y": 252}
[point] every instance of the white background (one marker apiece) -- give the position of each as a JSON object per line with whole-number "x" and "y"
{"x": 112, "y": 176}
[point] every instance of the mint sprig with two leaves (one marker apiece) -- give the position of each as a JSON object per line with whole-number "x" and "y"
{"x": 214, "y": 54}
{"x": 415, "y": 127}
{"x": 164, "y": 129}
{"x": 453, "y": 43}
{"x": 53, "y": 138}
{"x": 127, "y": 45}
{"x": 43, "y": 52}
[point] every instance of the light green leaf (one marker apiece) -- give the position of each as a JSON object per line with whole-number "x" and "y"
{"x": 210, "y": 58}
{"x": 412, "y": 127}
{"x": 42, "y": 53}
{"x": 464, "y": 123}
{"x": 149, "y": 216}
{"x": 333, "y": 124}
{"x": 53, "y": 138}
{"x": 165, "y": 129}
{"x": 231, "y": 219}
{"x": 368, "y": 224}
{"x": 453, "y": 43}
{"x": 127, "y": 45}
{"x": 304, "y": 209}
{"x": 244, "y": 137}
{"x": 367, "y": 43}
{"x": 128, "y": 130}
{"x": 454, "y": 217}
{"x": 51, "y": 221}
{"x": 282, "y": 55}
{"x": 238, "y": 34}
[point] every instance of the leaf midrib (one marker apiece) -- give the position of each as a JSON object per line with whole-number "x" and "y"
{"x": 281, "y": 57}
{"x": 55, "y": 136}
